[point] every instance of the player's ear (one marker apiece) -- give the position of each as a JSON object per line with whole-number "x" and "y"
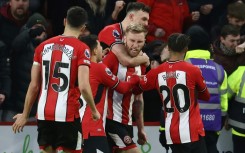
{"x": 124, "y": 39}
{"x": 64, "y": 21}
{"x": 83, "y": 28}
{"x": 131, "y": 16}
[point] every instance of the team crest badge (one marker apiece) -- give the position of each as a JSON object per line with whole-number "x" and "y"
{"x": 87, "y": 53}
{"x": 116, "y": 34}
{"x": 127, "y": 139}
{"x": 108, "y": 71}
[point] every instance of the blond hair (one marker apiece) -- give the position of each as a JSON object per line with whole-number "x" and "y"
{"x": 136, "y": 28}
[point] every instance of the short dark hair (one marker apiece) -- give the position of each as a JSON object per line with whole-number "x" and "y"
{"x": 177, "y": 42}
{"x": 199, "y": 38}
{"x": 90, "y": 40}
{"x": 229, "y": 30}
{"x": 137, "y": 6}
{"x": 76, "y": 16}
{"x": 236, "y": 10}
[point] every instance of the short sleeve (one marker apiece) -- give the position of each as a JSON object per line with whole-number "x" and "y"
{"x": 110, "y": 36}
{"x": 84, "y": 55}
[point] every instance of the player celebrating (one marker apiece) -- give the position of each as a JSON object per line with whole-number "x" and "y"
{"x": 58, "y": 63}
{"x": 179, "y": 84}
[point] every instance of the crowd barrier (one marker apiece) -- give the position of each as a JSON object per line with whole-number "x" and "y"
{"x": 26, "y": 141}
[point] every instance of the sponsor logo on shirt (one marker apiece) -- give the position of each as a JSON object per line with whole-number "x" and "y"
{"x": 87, "y": 53}
{"x": 116, "y": 34}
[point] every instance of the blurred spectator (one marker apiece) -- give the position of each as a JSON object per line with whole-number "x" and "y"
{"x": 167, "y": 17}
{"x": 4, "y": 78}
{"x": 13, "y": 16}
{"x": 22, "y": 60}
{"x": 101, "y": 13}
{"x": 152, "y": 100}
{"x": 210, "y": 11}
{"x": 213, "y": 112}
{"x": 235, "y": 16}
{"x": 224, "y": 49}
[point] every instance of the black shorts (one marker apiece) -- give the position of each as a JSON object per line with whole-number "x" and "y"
{"x": 60, "y": 134}
{"x": 191, "y": 147}
{"x": 119, "y": 135}
{"x": 96, "y": 143}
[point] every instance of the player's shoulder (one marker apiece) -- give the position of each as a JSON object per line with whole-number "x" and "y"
{"x": 114, "y": 29}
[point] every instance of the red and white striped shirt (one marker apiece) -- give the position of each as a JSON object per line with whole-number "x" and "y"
{"x": 59, "y": 58}
{"x": 177, "y": 83}
{"x": 120, "y": 105}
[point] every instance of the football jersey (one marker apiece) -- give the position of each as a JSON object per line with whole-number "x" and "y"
{"x": 120, "y": 105}
{"x": 111, "y": 35}
{"x": 177, "y": 83}
{"x": 100, "y": 78}
{"x": 59, "y": 59}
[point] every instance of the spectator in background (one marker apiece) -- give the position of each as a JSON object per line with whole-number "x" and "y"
{"x": 4, "y": 79}
{"x": 235, "y": 16}
{"x": 101, "y": 13}
{"x": 210, "y": 11}
{"x": 213, "y": 112}
{"x": 167, "y": 17}
{"x": 23, "y": 49}
{"x": 152, "y": 100}
{"x": 13, "y": 15}
{"x": 224, "y": 49}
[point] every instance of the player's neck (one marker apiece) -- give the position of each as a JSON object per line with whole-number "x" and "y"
{"x": 124, "y": 25}
{"x": 71, "y": 33}
{"x": 176, "y": 57}
{"x": 93, "y": 59}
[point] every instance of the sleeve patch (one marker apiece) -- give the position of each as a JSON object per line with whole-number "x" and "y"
{"x": 87, "y": 53}
{"x": 108, "y": 72}
{"x": 116, "y": 34}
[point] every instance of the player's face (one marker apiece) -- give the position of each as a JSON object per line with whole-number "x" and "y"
{"x": 19, "y": 8}
{"x": 99, "y": 52}
{"x": 165, "y": 54}
{"x": 134, "y": 43}
{"x": 141, "y": 17}
{"x": 230, "y": 41}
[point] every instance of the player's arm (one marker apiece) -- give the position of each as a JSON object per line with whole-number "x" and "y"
{"x": 32, "y": 92}
{"x": 201, "y": 86}
{"x": 120, "y": 51}
{"x": 85, "y": 89}
{"x": 138, "y": 108}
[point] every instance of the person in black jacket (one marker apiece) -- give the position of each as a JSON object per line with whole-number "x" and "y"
{"x": 24, "y": 45}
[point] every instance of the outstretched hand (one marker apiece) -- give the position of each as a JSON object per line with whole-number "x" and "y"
{"x": 20, "y": 122}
